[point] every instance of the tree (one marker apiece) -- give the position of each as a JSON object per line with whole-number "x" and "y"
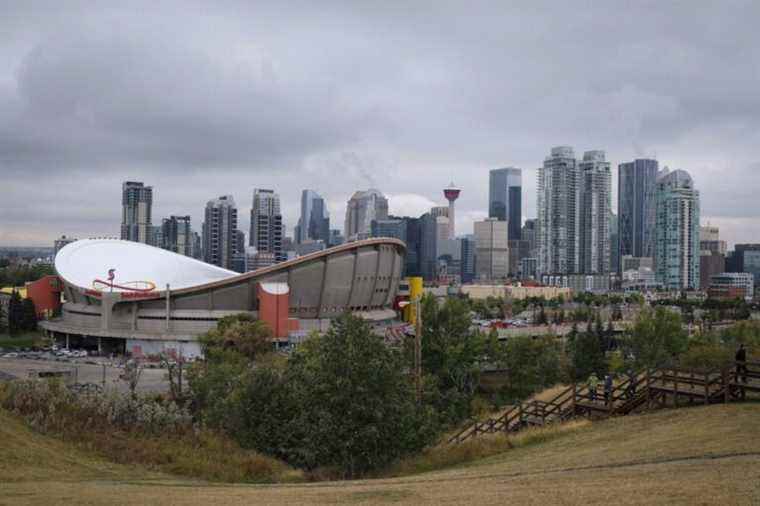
{"x": 587, "y": 355}
{"x": 3, "y": 319}
{"x": 356, "y": 407}
{"x": 656, "y": 337}
{"x": 15, "y": 314}
{"x": 451, "y": 354}
{"x": 28, "y": 315}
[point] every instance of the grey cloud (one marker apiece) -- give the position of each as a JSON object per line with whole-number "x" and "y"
{"x": 200, "y": 99}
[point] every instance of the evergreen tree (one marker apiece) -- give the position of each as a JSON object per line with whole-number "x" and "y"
{"x": 15, "y": 314}
{"x": 28, "y": 315}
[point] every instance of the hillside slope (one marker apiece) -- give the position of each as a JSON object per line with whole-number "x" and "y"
{"x": 703, "y": 455}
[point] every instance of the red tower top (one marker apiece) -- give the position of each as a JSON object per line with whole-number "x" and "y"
{"x": 451, "y": 193}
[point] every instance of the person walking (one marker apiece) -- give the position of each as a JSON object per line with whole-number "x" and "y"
{"x": 741, "y": 363}
{"x": 607, "y": 389}
{"x": 593, "y": 384}
{"x": 631, "y": 390}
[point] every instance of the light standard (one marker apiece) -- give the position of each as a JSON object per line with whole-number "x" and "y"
{"x": 417, "y": 343}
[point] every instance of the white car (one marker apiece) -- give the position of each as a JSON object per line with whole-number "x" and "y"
{"x": 12, "y": 354}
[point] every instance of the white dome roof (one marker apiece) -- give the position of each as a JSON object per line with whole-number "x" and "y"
{"x": 86, "y": 264}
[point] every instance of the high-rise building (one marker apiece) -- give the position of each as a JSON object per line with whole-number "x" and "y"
{"x": 197, "y": 246}
{"x": 614, "y": 244}
{"x": 219, "y": 231}
{"x": 136, "y": 205}
{"x": 61, "y": 242}
{"x": 428, "y": 238}
{"x": 505, "y": 198}
{"x": 361, "y": 209}
{"x": 558, "y": 206}
{"x": 452, "y": 194}
{"x": 636, "y": 207}
{"x": 676, "y": 252}
{"x": 336, "y": 238}
{"x": 314, "y": 223}
{"x": 491, "y": 249}
{"x": 266, "y": 224}
{"x": 530, "y": 234}
{"x": 596, "y": 191}
{"x": 712, "y": 255}
{"x": 745, "y": 258}
{"x": 176, "y": 235}
{"x": 468, "y": 258}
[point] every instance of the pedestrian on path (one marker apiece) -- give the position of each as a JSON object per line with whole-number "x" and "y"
{"x": 607, "y": 388}
{"x": 593, "y": 384}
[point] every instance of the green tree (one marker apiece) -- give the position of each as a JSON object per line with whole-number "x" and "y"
{"x": 656, "y": 337}
{"x": 15, "y": 314}
{"x": 587, "y": 355}
{"x": 28, "y": 315}
{"x": 451, "y": 354}
{"x": 356, "y": 407}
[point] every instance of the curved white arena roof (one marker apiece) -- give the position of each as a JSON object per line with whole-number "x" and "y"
{"x": 86, "y": 264}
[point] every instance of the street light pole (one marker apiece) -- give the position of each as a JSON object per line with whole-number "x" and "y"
{"x": 418, "y": 347}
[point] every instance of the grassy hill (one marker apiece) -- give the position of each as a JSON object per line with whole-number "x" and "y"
{"x": 703, "y": 455}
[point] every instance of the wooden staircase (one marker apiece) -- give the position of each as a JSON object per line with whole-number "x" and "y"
{"x": 650, "y": 389}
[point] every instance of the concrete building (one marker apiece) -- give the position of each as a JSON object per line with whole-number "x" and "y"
{"x": 732, "y": 285}
{"x": 629, "y": 263}
{"x": 505, "y": 199}
{"x": 559, "y": 219}
{"x": 219, "y": 227}
{"x": 361, "y": 209}
{"x": 640, "y": 279}
{"x": 314, "y": 222}
{"x": 676, "y": 250}
{"x": 161, "y": 301}
{"x": 479, "y": 292}
{"x": 136, "y": 208}
{"x": 636, "y": 207}
{"x": 594, "y": 283}
{"x": 596, "y": 191}
{"x": 61, "y": 242}
{"x": 491, "y": 249}
{"x": 267, "y": 229}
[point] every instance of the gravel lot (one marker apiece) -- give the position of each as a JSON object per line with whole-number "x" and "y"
{"x": 151, "y": 380}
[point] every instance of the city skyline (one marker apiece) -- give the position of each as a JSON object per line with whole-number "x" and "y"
{"x": 401, "y": 109}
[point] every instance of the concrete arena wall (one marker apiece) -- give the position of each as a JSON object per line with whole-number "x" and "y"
{"x": 357, "y": 277}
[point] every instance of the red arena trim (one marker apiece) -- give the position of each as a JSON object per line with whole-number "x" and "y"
{"x": 130, "y": 286}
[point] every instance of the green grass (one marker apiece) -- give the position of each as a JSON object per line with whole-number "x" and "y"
{"x": 700, "y": 455}
{"x": 23, "y": 340}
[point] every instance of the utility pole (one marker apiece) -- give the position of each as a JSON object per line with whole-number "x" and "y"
{"x": 418, "y": 347}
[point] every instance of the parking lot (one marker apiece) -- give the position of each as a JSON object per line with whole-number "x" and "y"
{"x": 100, "y": 371}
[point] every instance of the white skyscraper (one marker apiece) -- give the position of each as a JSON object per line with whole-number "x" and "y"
{"x": 558, "y": 206}
{"x": 596, "y": 181}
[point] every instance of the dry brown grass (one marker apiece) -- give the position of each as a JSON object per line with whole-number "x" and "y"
{"x": 704, "y": 455}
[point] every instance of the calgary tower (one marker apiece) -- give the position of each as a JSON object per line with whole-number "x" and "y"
{"x": 451, "y": 193}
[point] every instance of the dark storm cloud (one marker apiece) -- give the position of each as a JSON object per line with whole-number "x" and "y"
{"x": 201, "y": 99}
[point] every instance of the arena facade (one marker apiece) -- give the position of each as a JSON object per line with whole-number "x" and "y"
{"x": 129, "y": 297}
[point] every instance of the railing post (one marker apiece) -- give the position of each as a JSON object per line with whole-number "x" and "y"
{"x": 726, "y": 385}
{"x": 675, "y": 389}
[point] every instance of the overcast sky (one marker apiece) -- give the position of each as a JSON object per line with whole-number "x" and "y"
{"x": 212, "y": 98}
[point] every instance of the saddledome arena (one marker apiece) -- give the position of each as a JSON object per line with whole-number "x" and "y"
{"x": 124, "y": 296}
